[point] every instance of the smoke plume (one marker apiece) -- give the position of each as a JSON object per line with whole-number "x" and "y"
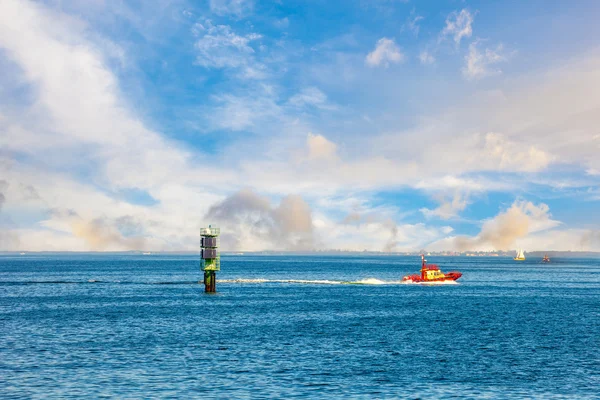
{"x": 392, "y": 242}
{"x": 252, "y": 223}
{"x": 100, "y": 234}
{"x": 503, "y": 231}
{"x": 120, "y": 234}
{"x": 590, "y": 239}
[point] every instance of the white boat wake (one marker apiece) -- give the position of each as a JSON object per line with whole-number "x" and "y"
{"x": 366, "y": 281}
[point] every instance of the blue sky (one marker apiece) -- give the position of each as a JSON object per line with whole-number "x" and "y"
{"x": 379, "y": 125}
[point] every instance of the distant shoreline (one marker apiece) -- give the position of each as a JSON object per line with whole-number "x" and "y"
{"x": 503, "y": 254}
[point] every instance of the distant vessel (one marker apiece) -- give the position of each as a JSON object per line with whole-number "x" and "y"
{"x": 545, "y": 259}
{"x": 520, "y": 255}
{"x": 431, "y": 273}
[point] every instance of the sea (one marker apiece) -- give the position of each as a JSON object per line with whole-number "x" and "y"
{"x": 297, "y": 326}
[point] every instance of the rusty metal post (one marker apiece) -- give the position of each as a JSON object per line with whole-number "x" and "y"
{"x": 210, "y": 281}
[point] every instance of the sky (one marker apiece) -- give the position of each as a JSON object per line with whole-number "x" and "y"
{"x": 315, "y": 125}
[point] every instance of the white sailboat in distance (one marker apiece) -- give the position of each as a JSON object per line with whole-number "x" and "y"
{"x": 520, "y": 255}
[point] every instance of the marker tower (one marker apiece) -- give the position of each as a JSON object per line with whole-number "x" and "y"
{"x": 210, "y": 258}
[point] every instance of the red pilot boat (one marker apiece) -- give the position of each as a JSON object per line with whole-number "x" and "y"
{"x": 431, "y": 273}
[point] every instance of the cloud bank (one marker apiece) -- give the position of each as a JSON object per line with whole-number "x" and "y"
{"x": 340, "y": 150}
{"x": 504, "y": 231}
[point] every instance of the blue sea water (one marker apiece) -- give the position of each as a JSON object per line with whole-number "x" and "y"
{"x": 294, "y": 327}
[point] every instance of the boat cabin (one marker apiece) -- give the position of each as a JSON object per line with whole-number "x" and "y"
{"x": 432, "y": 272}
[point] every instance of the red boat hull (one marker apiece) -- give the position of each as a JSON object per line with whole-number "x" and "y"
{"x": 450, "y": 276}
{"x": 431, "y": 273}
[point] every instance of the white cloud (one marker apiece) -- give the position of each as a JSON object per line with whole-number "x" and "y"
{"x": 231, "y": 7}
{"x": 219, "y": 47}
{"x": 458, "y": 25}
{"x": 439, "y": 147}
{"x": 374, "y": 230}
{"x": 319, "y": 148}
{"x": 478, "y": 64}
{"x": 556, "y": 112}
{"x": 426, "y": 58}
{"x": 447, "y": 229}
{"x": 412, "y": 23}
{"x": 385, "y": 52}
{"x": 508, "y": 155}
{"x": 100, "y": 134}
{"x": 311, "y": 96}
{"x": 450, "y": 183}
{"x": 450, "y": 205}
{"x": 260, "y": 107}
{"x": 282, "y": 23}
{"x": 239, "y": 113}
